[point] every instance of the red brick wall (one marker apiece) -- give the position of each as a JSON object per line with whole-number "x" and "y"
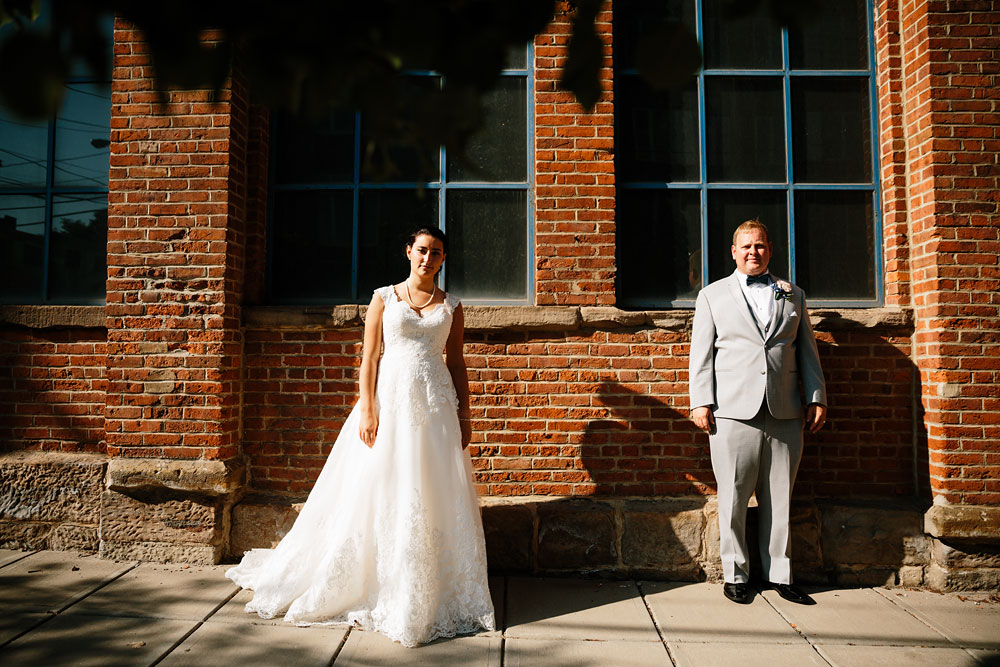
{"x": 589, "y": 412}
{"x": 299, "y": 388}
{"x": 951, "y": 58}
{"x": 175, "y": 261}
{"x": 574, "y": 178}
{"x": 52, "y": 390}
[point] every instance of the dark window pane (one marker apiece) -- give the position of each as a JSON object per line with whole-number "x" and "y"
{"x": 78, "y": 248}
{"x": 311, "y": 240}
{"x": 387, "y": 219}
{"x": 635, "y": 18}
{"x": 659, "y": 245}
{"x": 745, "y": 120}
{"x": 385, "y": 161}
{"x": 517, "y": 57}
{"x": 83, "y": 129}
{"x": 727, "y": 209}
{"x": 321, "y": 152}
{"x": 488, "y": 242}
{"x": 831, "y": 132}
{"x": 498, "y": 152}
{"x": 835, "y": 244}
{"x": 23, "y": 152}
{"x": 22, "y": 242}
{"x": 657, "y": 132}
{"x": 745, "y": 42}
{"x": 835, "y": 36}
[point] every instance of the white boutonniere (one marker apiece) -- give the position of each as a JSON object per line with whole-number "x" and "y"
{"x": 782, "y": 290}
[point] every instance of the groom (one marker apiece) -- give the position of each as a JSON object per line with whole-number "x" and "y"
{"x": 751, "y": 347}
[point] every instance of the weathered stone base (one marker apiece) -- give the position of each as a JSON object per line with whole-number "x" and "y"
{"x": 966, "y": 547}
{"x": 169, "y": 511}
{"x": 879, "y": 543}
{"x": 162, "y": 552}
{"x": 50, "y": 500}
{"x": 260, "y": 522}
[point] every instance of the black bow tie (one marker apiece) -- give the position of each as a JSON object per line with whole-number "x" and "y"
{"x": 763, "y": 279}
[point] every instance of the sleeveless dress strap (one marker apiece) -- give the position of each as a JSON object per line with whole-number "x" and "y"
{"x": 452, "y": 301}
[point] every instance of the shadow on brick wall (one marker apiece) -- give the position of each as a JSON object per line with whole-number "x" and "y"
{"x": 644, "y": 445}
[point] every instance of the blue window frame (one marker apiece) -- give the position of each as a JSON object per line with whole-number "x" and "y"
{"x": 54, "y": 195}
{"x": 334, "y": 234}
{"x": 778, "y": 125}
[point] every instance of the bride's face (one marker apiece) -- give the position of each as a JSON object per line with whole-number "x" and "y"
{"x": 426, "y": 256}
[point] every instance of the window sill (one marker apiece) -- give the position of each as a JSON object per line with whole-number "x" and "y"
{"x": 566, "y": 318}
{"x": 477, "y": 318}
{"x": 53, "y": 317}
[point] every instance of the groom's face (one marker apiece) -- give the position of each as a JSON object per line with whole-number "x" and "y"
{"x": 752, "y": 252}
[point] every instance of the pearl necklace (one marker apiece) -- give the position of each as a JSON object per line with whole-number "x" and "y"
{"x": 410, "y": 298}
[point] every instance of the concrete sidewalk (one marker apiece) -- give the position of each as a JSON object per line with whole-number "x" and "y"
{"x": 63, "y": 608}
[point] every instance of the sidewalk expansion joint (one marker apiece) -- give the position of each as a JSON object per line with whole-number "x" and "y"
{"x": 918, "y": 618}
{"x": 340, "y": 647}
{"x": 18, "y": 560}
{"x": 656, "y": 625}
{"x": 194, "y": 629}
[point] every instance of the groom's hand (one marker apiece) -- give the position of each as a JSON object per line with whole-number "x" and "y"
{"x": 815, "y": 417}
{"x": 703, "y": 418}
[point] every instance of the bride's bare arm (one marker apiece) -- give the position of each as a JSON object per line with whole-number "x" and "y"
{"x": 369, "y": 370}
{"x": 455, "y": 354}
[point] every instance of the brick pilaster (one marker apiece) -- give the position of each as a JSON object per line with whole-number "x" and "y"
{"x": 574, "y": 177}
{"x": 949, "y": 67}
{"x": 175, "y": 278}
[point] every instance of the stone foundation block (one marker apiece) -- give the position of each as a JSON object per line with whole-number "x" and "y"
{"x": 260, "y": 523}
{"x": 169, "y": 511}
{"x": 161, "y": 552}
{"x": 577, "y": 535}
{"x": 51, "y": 486}
{"x": 73, "y": 537}
{"x": 663, "y": 538}
{"x": 875, "y": 537}
{"x": 966, "y": 555}
{"x": 24, "y": 535}
{"x": 510, "y": 536}
{"x": 943, "y": 579}
{"x": 50, "y": 500}
{"x": 976, "y": 524}
{"x": 162, "y": 516}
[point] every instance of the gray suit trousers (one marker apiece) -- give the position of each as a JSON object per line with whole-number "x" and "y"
{"x": 759, "y": 455}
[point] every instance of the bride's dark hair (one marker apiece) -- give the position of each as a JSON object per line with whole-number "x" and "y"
{"x": 429, "y": 231}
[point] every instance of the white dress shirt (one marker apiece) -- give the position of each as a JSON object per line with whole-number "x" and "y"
{"x": 761, "y": 299}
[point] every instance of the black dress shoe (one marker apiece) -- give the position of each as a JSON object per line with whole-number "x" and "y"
{"x": 739, "y": 593}
{"x": 792, "y": 594}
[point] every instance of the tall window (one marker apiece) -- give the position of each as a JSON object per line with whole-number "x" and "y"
{"x": 778, "y": 125}
{"x": 335, "y": 234}
{"x": 54, "y": 196}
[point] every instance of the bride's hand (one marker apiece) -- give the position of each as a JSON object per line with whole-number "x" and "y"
{"x": 369, "y": 427}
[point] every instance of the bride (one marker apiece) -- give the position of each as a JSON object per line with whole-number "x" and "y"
{"x": 391, "y": 538}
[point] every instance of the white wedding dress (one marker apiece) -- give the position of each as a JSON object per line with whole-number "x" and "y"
{"x": 390, "y": 537}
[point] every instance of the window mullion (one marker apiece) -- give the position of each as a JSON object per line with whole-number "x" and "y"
{"x": 789, "y": 162}
{"x": 442, "y": 198}
{"x": 702, "y": 144}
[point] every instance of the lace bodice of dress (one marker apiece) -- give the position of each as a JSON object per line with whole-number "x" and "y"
{"x": 412, "y": 360}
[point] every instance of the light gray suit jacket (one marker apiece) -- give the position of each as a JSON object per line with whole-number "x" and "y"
{"x": 734, "y": 364}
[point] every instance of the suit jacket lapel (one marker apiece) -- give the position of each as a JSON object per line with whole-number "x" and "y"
{"x": 740, "y": 300}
